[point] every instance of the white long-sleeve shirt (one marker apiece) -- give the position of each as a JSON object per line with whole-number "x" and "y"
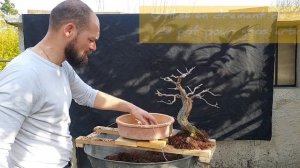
{"x": 35, "y": 96}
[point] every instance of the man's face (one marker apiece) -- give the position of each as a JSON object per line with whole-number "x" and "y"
{"x": 78, "y": 49}
{"x": 74, "y": 57}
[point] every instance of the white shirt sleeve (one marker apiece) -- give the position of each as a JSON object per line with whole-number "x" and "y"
{"x": 17, "y": 89}
{"x": 82, "y": 93}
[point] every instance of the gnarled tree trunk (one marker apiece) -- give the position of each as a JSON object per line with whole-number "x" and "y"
{"x": 184, "y": 113}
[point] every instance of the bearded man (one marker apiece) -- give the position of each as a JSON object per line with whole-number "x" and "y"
{"x": 36, "y": 89}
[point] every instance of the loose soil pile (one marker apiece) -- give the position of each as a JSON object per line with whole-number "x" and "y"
{"x": 183, "y": 140}
{"x": 143, "y": 157}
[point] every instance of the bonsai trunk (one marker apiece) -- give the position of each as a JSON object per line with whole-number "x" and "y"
{"x": 184, "y": 113}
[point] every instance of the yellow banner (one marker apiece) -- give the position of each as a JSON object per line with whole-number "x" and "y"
{"x": 184, "y": 24}
{"x": 208, "y": 28}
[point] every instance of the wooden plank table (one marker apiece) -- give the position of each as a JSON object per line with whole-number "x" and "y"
{"x": 95, "y": 138}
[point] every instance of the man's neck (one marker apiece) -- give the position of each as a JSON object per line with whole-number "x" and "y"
{"x": 51, "y": 50}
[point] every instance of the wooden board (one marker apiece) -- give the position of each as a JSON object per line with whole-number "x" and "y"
{"x": 158, "y": 146}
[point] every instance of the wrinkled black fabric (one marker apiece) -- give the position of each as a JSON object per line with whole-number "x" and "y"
{"x": 128, "y": 69}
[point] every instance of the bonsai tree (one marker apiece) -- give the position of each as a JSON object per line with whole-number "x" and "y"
{"x": 187, "y": 96}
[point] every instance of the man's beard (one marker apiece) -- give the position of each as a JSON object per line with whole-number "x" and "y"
{"x": 73, "y": 57}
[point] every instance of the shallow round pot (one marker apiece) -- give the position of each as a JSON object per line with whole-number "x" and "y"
{"x": 130, "y": 127}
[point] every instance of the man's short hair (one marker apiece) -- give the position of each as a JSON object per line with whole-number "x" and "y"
{"x": 70, "y": 11}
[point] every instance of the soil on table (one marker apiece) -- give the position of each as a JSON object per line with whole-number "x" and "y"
{"x": 183, "y": 140}
{"x": 143, "y": 157}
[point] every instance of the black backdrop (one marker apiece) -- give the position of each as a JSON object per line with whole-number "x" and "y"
{"x": 242, "y": 74}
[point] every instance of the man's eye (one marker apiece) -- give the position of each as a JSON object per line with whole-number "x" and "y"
{"x": 91, "y": 40}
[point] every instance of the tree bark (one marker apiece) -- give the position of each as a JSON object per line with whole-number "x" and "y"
{"x": 184, "y": 113}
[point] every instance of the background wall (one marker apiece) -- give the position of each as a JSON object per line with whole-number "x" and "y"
{"x": 284, "y": 148}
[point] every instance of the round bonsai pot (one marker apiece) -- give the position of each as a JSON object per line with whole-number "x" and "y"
{"x": 129, "y": 127}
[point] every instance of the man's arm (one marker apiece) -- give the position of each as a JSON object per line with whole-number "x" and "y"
{"x": 16, "y": 101}
{"x": 105, "y": 101}
{"x": 83, "y": 94}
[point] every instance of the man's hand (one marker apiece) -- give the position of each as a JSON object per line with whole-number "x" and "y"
{"x": 143, "y": 116}
{"x": 105, "y": 101}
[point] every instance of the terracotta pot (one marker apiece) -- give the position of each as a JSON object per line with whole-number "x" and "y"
{"x": 129, "y": 127}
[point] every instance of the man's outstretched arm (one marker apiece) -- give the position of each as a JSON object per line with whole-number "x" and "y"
{"x": 105, "y": 101}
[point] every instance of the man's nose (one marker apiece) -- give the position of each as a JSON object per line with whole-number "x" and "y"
{"x": 93, "y": 46}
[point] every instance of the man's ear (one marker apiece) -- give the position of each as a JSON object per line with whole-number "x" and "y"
{"x": 70, "y": 30}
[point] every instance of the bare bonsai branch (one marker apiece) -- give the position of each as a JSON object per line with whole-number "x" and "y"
{"x": 173, "y": 76}
{"x": 173, "y": 96}
{"x": 182, "y": 75}
{"x": 195, "y": 89}
{"x": 169, "y": 102}
{"x": 173, "y": 88}
{"x": 168, "y": 79}
{"x": 188, "y": 72}
{"x": 179, "y": 72}
{"x": 189, "y": 88}
{"x": 201, "y": 96}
